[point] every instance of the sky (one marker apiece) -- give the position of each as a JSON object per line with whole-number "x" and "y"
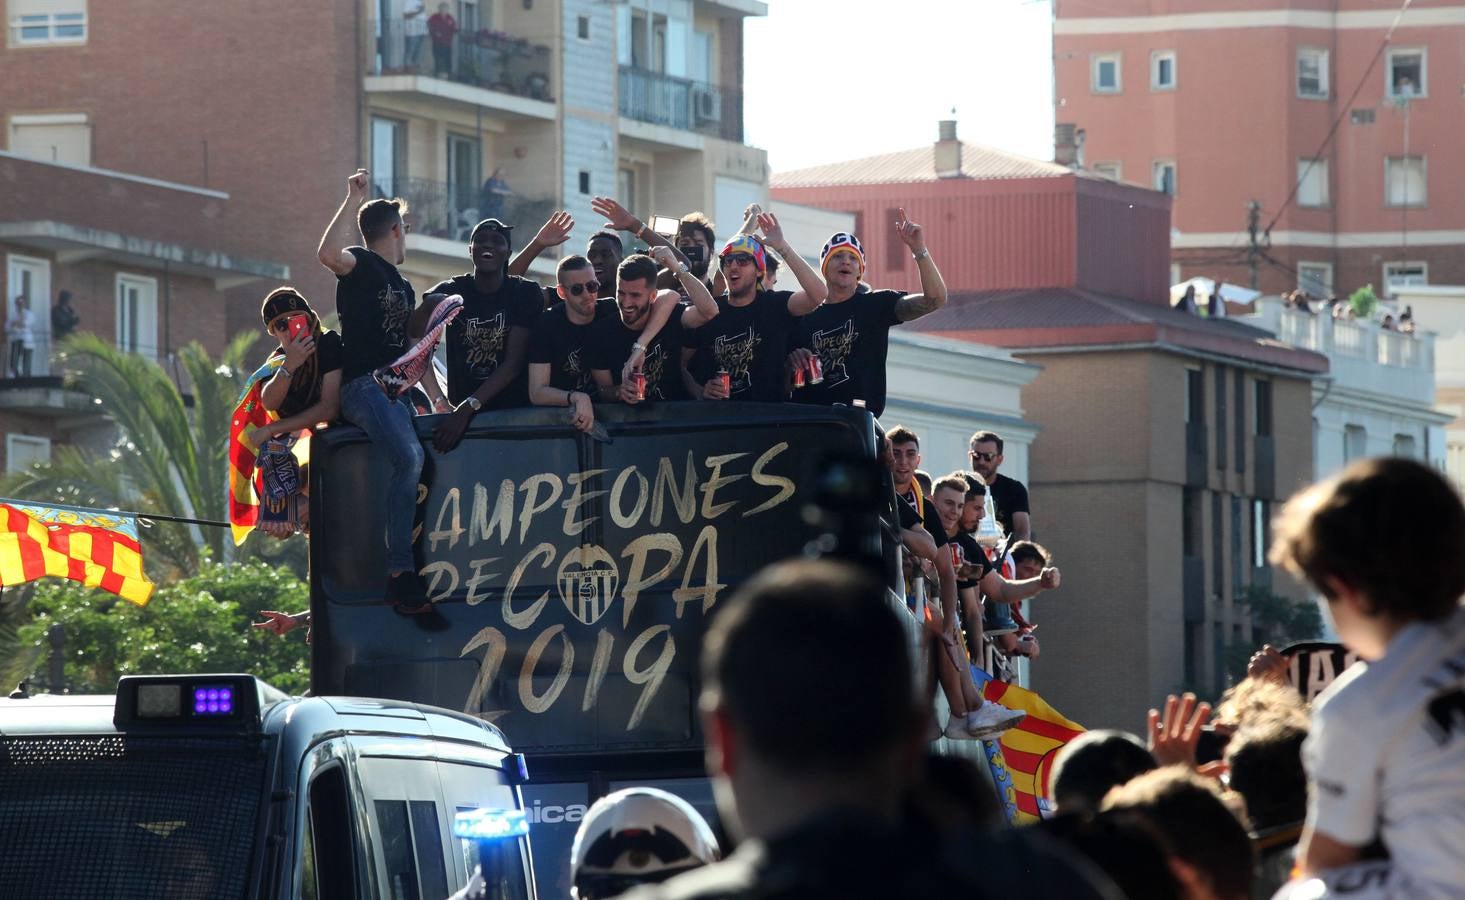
{"x": 831, "y": 80}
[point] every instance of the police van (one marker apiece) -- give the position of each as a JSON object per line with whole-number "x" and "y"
{"x": 220, "y": 786}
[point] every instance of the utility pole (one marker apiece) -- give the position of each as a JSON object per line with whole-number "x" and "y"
{"x": 1253, "y": 249}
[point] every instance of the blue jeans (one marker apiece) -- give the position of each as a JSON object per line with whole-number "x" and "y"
{"x": 389, "y": 425}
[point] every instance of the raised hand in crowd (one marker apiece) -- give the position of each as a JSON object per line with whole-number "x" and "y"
{"x": 616, "y": 216}
{"x": 555, "y": 231}
{"x": 280, "y": 624}
{"x": 1050, "y": 578}
{"x": 1267, "y": 664}
{"x": 1174, "y": 736}
{"x": 910, "y": 234}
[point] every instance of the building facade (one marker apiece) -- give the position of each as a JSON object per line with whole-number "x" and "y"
{"x": 1220, "y": 105}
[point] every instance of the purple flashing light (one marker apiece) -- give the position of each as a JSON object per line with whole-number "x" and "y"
{"x": 213, "y": 701}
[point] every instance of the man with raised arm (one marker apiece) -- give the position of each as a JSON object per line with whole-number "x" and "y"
{"x": 374, "y": 303}
{"x": 646, "y": 338}
{"x": 559, "y": 373}
{"x": 488, "y": 341}
{"x": 749, "y": 339}
{"x": 850, "y": 333}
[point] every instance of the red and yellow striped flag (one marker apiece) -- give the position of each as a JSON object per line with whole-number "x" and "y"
{"x": 1023, "y": 762}
{"x": 244, "y": 479}
{"x": 94, "y": 547}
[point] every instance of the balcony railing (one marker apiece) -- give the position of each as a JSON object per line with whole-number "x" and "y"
{"x": 1362, "y": 355}
{"x": 483, "y": 58}
{"x": 662, "y": 99}
{"x": 445, "y": 210}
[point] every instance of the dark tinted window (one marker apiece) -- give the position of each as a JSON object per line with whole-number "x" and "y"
{"x": 427, "y": 838}
{"x": 396, "y": 850}
{"x": 329, "y": 867}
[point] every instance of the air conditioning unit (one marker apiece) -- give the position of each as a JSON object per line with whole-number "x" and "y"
{"x": 706, "y": 105}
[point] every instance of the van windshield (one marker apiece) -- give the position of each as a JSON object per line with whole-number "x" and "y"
{"x": 110, "y": 816}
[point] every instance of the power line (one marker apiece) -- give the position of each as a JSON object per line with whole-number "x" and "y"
{"x": 1338, "y": 120}
{"x": 142, "y": 517}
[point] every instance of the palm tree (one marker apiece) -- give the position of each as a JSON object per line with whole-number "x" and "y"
{"x": 168, "y": 459}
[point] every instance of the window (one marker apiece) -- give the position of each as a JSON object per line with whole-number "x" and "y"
{"x": 1312, "y": 73}
{"x": 1221, "y": 420}
{"x": 1263, "y": 408}
{"x": 1312, "y": 182}
{"x": 30, "y": 277}
{"x": 329, "y": 871}
{"x": 701, "y": 61}
{"x": 465, "y": 178}
{"x": 582, "y": 28}
{"x": 1162, "y": 70}
{"x": 58, "y": 137}
{"x": 1404, "y": 181}
{"x": 1175, "y": 273}
{"x": 1191, "y": 500}
{"x": 388, "y": 156}
{"x": 1316, "y": 278}
{"x": 1165, "y": 176}
{"x": 626, "y": 186}
{"x": 1404, "y": 445}
{"x": 1261, "y": 525}
{"x": 1109, "y": 170}
{"x": 1218, "y": 559}
{"x": 25, "y": 450}
{"x": 35, "y": 22}
{"x": 1240, "y": 421}
{"x": 1355, "y": 442}
{"x": 137, "y": 315}
{"x": 1104, "y": 73}
{"x": 1406, "y": 74}
{"x": 1238, "y": 558}
{"x": 584, "y": 182}
{"x": 1195, "y": 397}
{"x": 1403, "y": 274}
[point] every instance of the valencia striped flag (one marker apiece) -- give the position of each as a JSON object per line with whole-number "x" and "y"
{"x": 244, "y": 479}
{"x": 1022, "y": 760}
{"x": 95, "y": 547}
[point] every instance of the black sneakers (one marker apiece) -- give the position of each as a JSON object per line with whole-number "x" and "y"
{"x": 407, "y": 593}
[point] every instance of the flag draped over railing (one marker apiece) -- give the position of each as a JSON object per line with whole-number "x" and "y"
{"x": 1022, "y": 760}
{"x": 98, "y": 548}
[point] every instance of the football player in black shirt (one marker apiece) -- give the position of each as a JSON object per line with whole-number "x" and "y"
{"x": 559, "y": 372}
{"x": 850, "y": 333}
{"x": 1009, "y": 496}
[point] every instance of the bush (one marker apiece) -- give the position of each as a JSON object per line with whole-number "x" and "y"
{"x": 198, "y": 624}
{"x": 1364, "y": 302}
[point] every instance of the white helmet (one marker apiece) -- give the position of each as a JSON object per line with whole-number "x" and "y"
{"x": 1372, "y": 880}
{"x": 640, "y": 835}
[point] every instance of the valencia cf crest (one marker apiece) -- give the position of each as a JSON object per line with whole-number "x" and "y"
{"x": 588, "y": 579}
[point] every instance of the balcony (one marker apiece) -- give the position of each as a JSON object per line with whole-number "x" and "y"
{"x": 46, "y": 396}
{"x": 680, "y": 103}
{"x": 443, "y": 210}
{"x": 1362, "y": 356}
{"x": 515, "y": 73}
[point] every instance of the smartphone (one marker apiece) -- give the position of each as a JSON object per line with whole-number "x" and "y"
{"x": 666, "y": 226}
{"x": 299, "y": 324}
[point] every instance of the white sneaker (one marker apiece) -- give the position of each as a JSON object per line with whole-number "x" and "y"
{"x": 991, "y": 720}
{"x": 956, "y": 729}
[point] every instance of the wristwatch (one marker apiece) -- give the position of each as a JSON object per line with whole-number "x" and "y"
{"x": 683, "y": 268}
{"x": 474, "y": 402}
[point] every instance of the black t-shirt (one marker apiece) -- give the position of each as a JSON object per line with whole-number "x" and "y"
{"x": 852, "y": 340}
{"x": 373, "y": 301}
{"x": 562, "y": 344}
{"x": 479, "y": 336}
{"x": 1009, "y": 496}
{"x": 749, "y": 342}
{"x": 974, "y": 555}
{"x": 610, "y": 347}
{"x": 305, "y": 392}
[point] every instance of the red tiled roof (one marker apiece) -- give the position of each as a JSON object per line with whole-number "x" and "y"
{"x": 1071, "y": 317}
{"x": 977, "y": 163}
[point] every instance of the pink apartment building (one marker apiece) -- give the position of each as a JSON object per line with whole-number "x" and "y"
{"x": 1222, "y": 102}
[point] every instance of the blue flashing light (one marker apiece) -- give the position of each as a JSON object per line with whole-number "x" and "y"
{"x": 213, "y": 700}
{"x": 491, "y": 824}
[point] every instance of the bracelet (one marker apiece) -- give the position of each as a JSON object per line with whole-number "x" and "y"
{"x": 569, "y": 398}
{"x": 920, "y": 256}
{"x": 639, "y": 346}
{"x": 286, "y": 372}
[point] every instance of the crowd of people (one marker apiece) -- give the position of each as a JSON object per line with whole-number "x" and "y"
{"x": 20, "y": 331}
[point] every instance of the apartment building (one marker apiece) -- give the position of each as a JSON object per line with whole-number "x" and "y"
{"x": 1347, "y": 138}
{"x": 258, "y": 112}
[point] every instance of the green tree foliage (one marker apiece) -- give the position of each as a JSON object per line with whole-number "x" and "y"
{"x": 199, "y": 624}
{"x": 1364, "y": 302}
{"x": 1275, "y": 620}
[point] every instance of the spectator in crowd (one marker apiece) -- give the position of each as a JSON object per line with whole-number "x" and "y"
{"x": 488, "y": 341}
{"x": 1216, "y": 305}
{"x": 442, "y": 28}
{"x": 1009, "y": 496}
{"x": 1386, "y": 754}
{"x": 770, "y": 278}
{"x": 850, "y": 333}
{"x": 1123, "y": 846}
{"x": 306, "y": 389}
{"x": 1210, "y": 853}
{"x": 1264, "y": 762}
{"x": 817, "y": 806}
{"x": 1186, "y": 303}
{"x": 64, "y": 317}
{"x": 643, "y": 345}
{"x": 905, "y": 453}
{"x": 559, "y": 372}
{"x": 491, "y": 197}
{"x": 696, "y": 240}
{"x": 374, "y": 303}
{"x": 749, "y": 339}
{"x": 1388, "y": 322}
{"x": 605, "y": 252}
{"x": 20, "y": 329}
{"x": 414, "y": 30}
{"x": 1406, "y": 320}
{"x": 1094, "y": 762}
{"x": 1029, "y": 559}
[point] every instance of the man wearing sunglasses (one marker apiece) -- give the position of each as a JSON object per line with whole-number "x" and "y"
{"x": 1009, "y": 496}
{"x": 559, "y": 366}
{"x": 850, "y": 333}
{"x": 750, "y": 336}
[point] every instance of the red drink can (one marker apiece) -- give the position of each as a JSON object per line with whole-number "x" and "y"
{"x": 638, "y": 382}
{"x": 798, "y": 376}
{"x": 955, "y": 554}
{"x": 726, "y": 378}
{"x": 816, "y": 370}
